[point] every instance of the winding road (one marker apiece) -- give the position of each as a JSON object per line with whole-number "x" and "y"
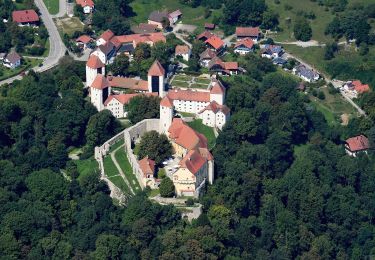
{"x": 57, "y": 47}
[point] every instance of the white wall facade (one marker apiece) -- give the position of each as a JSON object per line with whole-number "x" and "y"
{"x": 166, "y": 117}
{"x": 189, "y": 106}
{"x": 91, "y": 75}
{"x": 116, "y": 108}
{"x": 97, "y": 52}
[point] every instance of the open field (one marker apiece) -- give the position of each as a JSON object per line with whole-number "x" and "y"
{"x": 346, "y": 65}
{"x": 69, "y": 25}
{"x": 52, "y": 6}
{"x": 194, "y": 16}
{"x": 333, "y": 106}
{"x": 86, "y": 167}
{"x": 207, "y": 131}
{"x": 123, "y": 161}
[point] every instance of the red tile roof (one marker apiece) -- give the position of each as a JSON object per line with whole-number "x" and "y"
{"x": 141, "y": 38}
{"x": 174, "y": 14}
{"x": 182, "y": 49}
{"x": 100, "y": 82}
{"x": 193, "y": 161}
{"x": 147, "y": 166}
{"x": 185, "y": 136}
{"x": 107, "y": 35}
{"x": 215, "y": 42}
{"x": 25, "y": 16}
{"x": 84, "y": 3}
{"x": 207, "y": 54}
{"x": 358, "y": 143}
{"x": 205, "y": 34}
{"x": 166, "y": 102}
{"x": 217, "y": 88}
{"x": 359, "y": 87}
{"x": 84, "y": 38}
{"x": 94, "y": 62}
{"x": 215, "y": 107}
{"x": 231, "y": 65}
{"x": 156, "y": 69}
{"x": 206, "y": 153}
{"x": 247, "y": 31}
{"x": 128, "y": 83}
{"x": 247, "y": 42}
{"x": 189, "y": 95}
{"x": 125, "y": 98}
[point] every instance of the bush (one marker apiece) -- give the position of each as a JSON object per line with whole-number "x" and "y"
{"x": 321, "y": 95}
{"x": 189, "y": 202}
{"x": 166, "y": 188}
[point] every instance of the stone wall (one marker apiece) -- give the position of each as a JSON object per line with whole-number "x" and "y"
{"x": 132, "y": 134}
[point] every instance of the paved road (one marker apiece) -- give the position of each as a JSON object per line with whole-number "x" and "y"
{"x": 57, "y": 47}
{"x": 62, "y": 9}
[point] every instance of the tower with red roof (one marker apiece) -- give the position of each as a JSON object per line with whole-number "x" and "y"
{"x": 156, "y": 78}
{"x": 99, "y": 91}
{"x": 166, "y": 114}
{"x": 94, "y": 67}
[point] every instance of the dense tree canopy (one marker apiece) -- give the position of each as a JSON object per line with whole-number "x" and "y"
{"x": 156, "y": 146}
{"x": 143, "y": 107}
{"x": 302, "y": 29}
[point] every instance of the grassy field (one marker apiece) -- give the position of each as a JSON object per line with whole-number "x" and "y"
{"x": 332, "y": 107}
{"x": 86, "y": 167}
{"x": 194, "y": 16}
{"x": 28, "y": 63}
{"x": 52, "y": 6}
{"x": 109, "y": 167}
{"x": 116, "y": 145}
{"x": 186, "y": 81}
{"x": 289, "y": 10}
{"x": 119, "y": 182}
{"x": 127, "y": 169}
{"x": 69, "y": 25}
{"x": 207, "y": 131}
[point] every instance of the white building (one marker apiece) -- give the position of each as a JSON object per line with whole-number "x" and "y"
{"x": 94, "y": 66}
{"x": 215, "y": 115}
{"x": 183, "y": 51}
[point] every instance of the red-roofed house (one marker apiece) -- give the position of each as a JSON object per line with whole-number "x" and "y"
{"x": 357, "y": 144}
{"x": 224, "y": 68}
{"x": 25, "y": 17}
{"x": 174, "y": 16}
{"x": 87, "y": 5}
{"x": 215, "y": 43}
{"x": 204, "y": 36}
{"x": 83, "y": 41}
{"x": 248, "y": 32}
{"x": 355, "y": 87}
{"x": 147, "y": 167}
{"x": 104, "y": 37}
{"x": 244, "y": 46}
{"x": 215, "y": 115}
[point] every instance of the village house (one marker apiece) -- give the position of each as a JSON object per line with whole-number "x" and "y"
{"x": 204, "y": 36}
{"x": 223, "y": 68}
{"x": 183, "y": 51}
{"x": 25, "y": 17}
{"x": 279, "y": 61}
{"x": 105, "y": 52}
{"x": 215, "y": 44}
{"x": 248, "y": 32}
{"x": 244, "y": 46}
{"x": 357, "y": 144}
{"x": 157, "y": 18}
{"x": 355, "y": 88}
{"x": 84, "y": 41}
{"x": 145, "y": 28}
{"x": 272, "y": 51}
{"x": 147, "y": 167}
{"x": 12, "y": 60}
{"x": 174, "y": 16}
{"x": 104, "y": 37}
{"x": 87, "y": 5}
{"x": 305, "y": 73}
{"x": 215, "y": 115}
{"x": 206, "y": 56}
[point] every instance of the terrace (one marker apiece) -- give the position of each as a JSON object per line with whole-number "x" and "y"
{"x": 190, "y": 82}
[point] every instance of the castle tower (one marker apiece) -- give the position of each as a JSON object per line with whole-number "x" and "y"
{"x": 99, "y": 91}
{"x": 156, "y": 78}
{"x": 217, "y": 93}
{"x": 93, "y": 67}
{"x": 166, "y": 114}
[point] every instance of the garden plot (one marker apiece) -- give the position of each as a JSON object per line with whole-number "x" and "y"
{"x": 189, "y": 81}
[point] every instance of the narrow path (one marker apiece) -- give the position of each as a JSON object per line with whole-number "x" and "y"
{"x": 119, "y": 168}
{"x": 62, "y": 9}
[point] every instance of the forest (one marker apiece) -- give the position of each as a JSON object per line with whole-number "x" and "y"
{"x": 284, "y": 188}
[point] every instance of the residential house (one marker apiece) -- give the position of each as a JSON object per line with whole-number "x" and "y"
{"x": 183, "y": 51}
{"x": 104, "y": 37}
{"x": 12, "y": 60}
{"x": 25, "y": 17}
{"x": 209, "y": 26}
{"x": 84, "y": 41}
{"x": 105, "y": 52}
{"x": 223, "y": 68}
{"x": 355, "y": 87}
{"x": 147, "y": 167}
{"x": 204, "y": 36}
{"x": 305, "y": 73}
{"x": 279, "y": 61}
{"x": 157, "y": 18}
{"x": 87, "y": 5}
{"x": 206, "y": 56}
{"x": 248, "y": 32}
{"x": 174, "y": 16}
{"x": 215, "y": 43}
{"x": 244, "y": 46}
{"x": 357, "y": 144}
{"x": 215, "y": 115}
{"x": 271, "y": 51}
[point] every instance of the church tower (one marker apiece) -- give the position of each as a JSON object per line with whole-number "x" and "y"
{"x": 94, "y": 67}
{"x": 156, "y": 78}
{"x": 166, "y": 114}
{"x": 99, "y": 91}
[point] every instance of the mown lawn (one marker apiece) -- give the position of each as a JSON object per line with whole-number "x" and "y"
{"x": 52, "y": 6}
{"x": 207, "y": 131}
{"x": 119, "y": 182}
{"x": 194, "y": 16}
{"x": 116, "y": 145}
{"x": 86, "y": 167}
{"x": 123, "y": 161}
{"x": 109, "y": 167}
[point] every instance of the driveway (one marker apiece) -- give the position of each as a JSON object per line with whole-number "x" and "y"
{"x": 62, "y": 9}
{"x": 57, "y": 47}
